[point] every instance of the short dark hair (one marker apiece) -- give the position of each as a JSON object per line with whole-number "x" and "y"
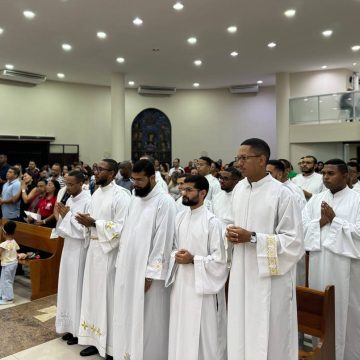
{"x": 206, "y": 159}
{"x": 165, "y": 166}
{"x": 145, "y": 166}
{"x": 286, "y": 163}
{"x": 177, "y": 159}
{"x": 56, "y": 164}
{"x": 235, "y": 173}
{"x": 15, "y": 169}
{"x": 279, "y": 165}
{"x": 200, "y": 182}
{"x": 217, "y": 165}
{"x": 354, "y": 164}
{"x": 341, "y": 165}
{"x": 78, "y": 175}
{"x": 181, "y": 175}
{"x": 113, "y": 165}
{"x": 260, "y": 146}
{"x": 312, "y": 157}
{"x": 148, "y": 157}
{"x": 10, "y": 227}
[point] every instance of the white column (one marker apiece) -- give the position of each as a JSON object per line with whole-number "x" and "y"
{"x": 118, "y": 116}
{"x": 282, "y": 115}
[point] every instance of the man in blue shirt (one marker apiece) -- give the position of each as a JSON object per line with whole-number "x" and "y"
{"x": 10, "y": 195}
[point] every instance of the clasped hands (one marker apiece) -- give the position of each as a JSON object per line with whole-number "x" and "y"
{"x": 327, "y": 214}
{"x": 237, "y": 235}
{"x": 62, "y": 209}
{"x": 184, "y": 257}
{"x": 85, "y": 219}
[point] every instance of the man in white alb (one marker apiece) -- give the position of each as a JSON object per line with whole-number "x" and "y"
{"x": 310, "y": 181}
{"x": 72, "y": 258}
{"x": 204, "y": 168}
{"x": 141, "y": 313}
{"x": 354, "y": 173}
{"x": 332, "y": 235}
{"x": 268, "y": 242}
{"x": 104, "y": 222}
{"x": 198, "y": 273}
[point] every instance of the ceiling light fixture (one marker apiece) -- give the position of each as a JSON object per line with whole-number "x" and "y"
{"x": 29, "y": 14}
{"x": 131, "y": 83}
{"x": 234, "y": 53}
{"x": 327, "y": 33}
{"x": 192, "y": 40}
{"x": 120, "y": 60}
{"x": 197, "y": 62}
{"x": 354, "y": 63}
{"x": 1, "y": 31}
{"x": 324, "y": 67}
{"x": 178, "y": 6}
{"x": 9, "y": 66}
{"x": 60, "y": 75}
{"x": 355, "y": 48}
{"x": 271, "y": 44}
{"x": 66, "y": 47}
{"x": 196, "y": 84}
{"x": 259, "y": 82}
{"x": 232, "y": 29}
{"x": 290, "y": 13}
{"x": 101, "y": 35}
{"x": 137, "y": 21}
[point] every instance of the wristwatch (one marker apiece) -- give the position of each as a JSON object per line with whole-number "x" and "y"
{"x": 253, "y": 238}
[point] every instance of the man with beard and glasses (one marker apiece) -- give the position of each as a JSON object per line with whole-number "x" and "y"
{"x": 332, "y": 235}
{"x": 309, "y": 181}
{"x": 103, "y": 226}
{"x": 198, "y": 273}
{"x": 141, "y": 313}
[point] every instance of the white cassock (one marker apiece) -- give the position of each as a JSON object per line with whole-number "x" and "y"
{"x": 72, "y": 265}
{"x": 141, "y": 320}
{"x": 301, "y": 200}
{"x": 108, "y": 207}
{"x": 312, "y": 183}
{"x": 214, "y": 186}
{"x": 335, "y": 260}
{"x": 194, "y": 329}
{"x": 262, "y": 314}
{"x": 159, "y": 180}
{"x": 356, "y": 187}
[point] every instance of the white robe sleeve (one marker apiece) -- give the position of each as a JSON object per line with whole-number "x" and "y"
{"x": 343, "y": 237}
{"x": 162, "y": 241}
{"x": 278, "y": 253}
{"x": 312, "y": 230}
{"x": 211, "y": 271}
{"x": 69, "y": 227}
{"x": 109, "y": 231}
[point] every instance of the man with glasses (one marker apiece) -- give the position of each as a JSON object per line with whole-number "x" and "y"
{"x": 309, "y": 181}
{"x": 103, "y": 224}
{"x": 204, "y": 169}
{"x": 268, "y": 242}
{"x": 141, "y": 315}
{"x": 198, "y": 273}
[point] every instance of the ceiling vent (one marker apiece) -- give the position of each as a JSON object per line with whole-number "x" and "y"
{"x": 22, "y": 77}
{"x": 244, "y": 89}
{"x": 156, "y": 90}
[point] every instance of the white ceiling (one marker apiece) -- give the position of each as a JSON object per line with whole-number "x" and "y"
{"x": 35, "y": 45}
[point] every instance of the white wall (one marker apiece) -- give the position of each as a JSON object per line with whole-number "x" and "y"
{"x": 73, "y": 114}
{"x": 210, "y": 121}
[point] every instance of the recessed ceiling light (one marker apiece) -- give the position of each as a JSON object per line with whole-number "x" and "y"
{"x": 137, "y": 21}
{"x": 192, "y": 40}
{"x": 306, "y": 99}
{"x": 66, "y": 47}
{"x": 29, "y": 14}
{"x": 178, "y": 6}
{"x": 60, "y": 75}
{"x": 355, "y": 48}
{"x": 324, "y": 67}
{"x": 290, "y": 13}
{"x": 327, "y": 33}
{"x": 354, "y": 63}
{"x": 234, "y": 53}
{"x": 196, "y": 84}
{"x": 271, "y": 44}
{"x": 197, "y": 62}
{"x": 131, "y": 83}
{"x": 9, "y": 66}
{"x": 120, "y": 60}
{"x": 259, "y": 82}
{"x": 1, "y": 31}
{"x": 101, "y": 35}
{"x": 232, "y": 29}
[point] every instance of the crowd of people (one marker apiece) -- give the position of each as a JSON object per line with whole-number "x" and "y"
{"x": 194, "y": 262}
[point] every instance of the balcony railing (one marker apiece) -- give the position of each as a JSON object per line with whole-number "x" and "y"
{"x": 325, "y": 109}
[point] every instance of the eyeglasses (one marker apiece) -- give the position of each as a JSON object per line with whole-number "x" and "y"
{"x": 188, "y": 189}
{"x": 245, "y": 157}
{"x": 100, "y": 169}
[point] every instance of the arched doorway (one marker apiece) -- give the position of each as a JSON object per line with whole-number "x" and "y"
{"x": 151, "y": 135}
